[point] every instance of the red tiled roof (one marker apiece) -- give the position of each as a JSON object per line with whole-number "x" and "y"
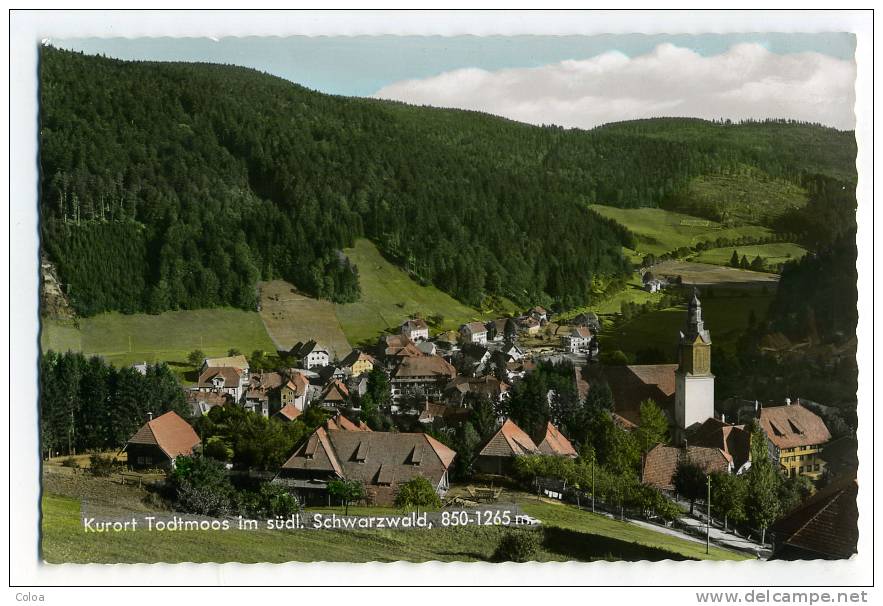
{"x": 662, "y": 461}
{"x": 794, "y": 425}
{"x": 510, "y": 440}
{"x": 734, "y": 440}
{"x": 335, "y": 392}
{"x": 172, "y": 434}
{"x": 340, "y": 423}
{"x": 290, "y": 412}
{"x": 554, "y": 443}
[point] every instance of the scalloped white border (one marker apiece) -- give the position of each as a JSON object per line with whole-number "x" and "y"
{"x": 28, "y": 28}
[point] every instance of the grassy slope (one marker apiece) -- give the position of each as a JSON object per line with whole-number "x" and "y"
{"x": 633, "y": 293}
{"x": 170, "y": 336}
{"x": 773, "y": 254}
{"x": 725, "y": 316}
{"x": 389, "y": 296}
{"x": 659, "y": 231}
{"x": 564, "y": 516}
{"x": 746, "y": 196}
{"x": 587, "y": 536}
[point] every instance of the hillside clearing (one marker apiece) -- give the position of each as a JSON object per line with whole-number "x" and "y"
{"x": 290, "y": 316}
{"x": 743, "y": 195}
{"x": 703, "y": 274}
{"x": 660, "y": 231}
{"x": 390, "y": 296}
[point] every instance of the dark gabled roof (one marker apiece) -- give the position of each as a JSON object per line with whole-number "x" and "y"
{"x": 373, "y": 457}
{"x": 172, "y": 434}
{"x": 415, "y": 324}
{"x": 301, "y": 350}
{"x": 824, "y": 526}
{"x": 631, "y": 385}
{"x": 229, "y": 374}
{"x": 354, "y": 356}
{"x": 423, "y": 366}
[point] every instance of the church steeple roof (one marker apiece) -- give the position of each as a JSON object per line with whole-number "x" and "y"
{"x": 695, "y": 326}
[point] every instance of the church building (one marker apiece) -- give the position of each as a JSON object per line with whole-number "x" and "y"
{"x": 684, "y": 391}
{"x": 694, "y": 383}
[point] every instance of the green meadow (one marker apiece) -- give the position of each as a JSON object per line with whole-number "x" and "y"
{"x": 772, "y": 254}
{"x": 567, "y": 534}
{"x": 389, "y": 296}
{"x": 123, "y": 339}
{"x": 659, "y": 231}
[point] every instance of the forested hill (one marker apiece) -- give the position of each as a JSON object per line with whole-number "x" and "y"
{"x": 171, "y": 185}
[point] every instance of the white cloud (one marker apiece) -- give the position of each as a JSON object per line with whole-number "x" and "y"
{"x": 747, "y": 81}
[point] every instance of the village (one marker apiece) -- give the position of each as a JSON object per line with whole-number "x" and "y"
{"x": 431, "y": 383}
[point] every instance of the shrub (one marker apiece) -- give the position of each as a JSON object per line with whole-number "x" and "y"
{"x": 518, "y": 546}
{"x": 416, "y": 493}
{"x": 71, "y": 462}
{"x": 100, "y": 466}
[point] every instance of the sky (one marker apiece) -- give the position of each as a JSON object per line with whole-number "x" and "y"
{"x": 573, "y": 81}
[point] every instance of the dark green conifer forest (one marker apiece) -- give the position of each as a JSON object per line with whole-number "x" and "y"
{"x": 179, "y": 186}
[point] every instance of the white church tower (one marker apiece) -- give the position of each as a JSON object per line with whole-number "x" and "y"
{"x": 694, "y": 383}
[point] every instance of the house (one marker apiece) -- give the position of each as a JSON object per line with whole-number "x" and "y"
{"x": 357, "y": 363}
{"x": 577, "y": 340}
{"x": 488, "y": 386}
{"x": 555, "y": 443}
{"x": 381, "y": 461}
{"x": 450, "y": 414}
{"x": 529, "y": 326}
{"x": 224, "y": 380}
{"x": 661, "y": 463}
{"x": 339, "y": 422}
{"x": 497, "y": 455}
{"x": 288, "y": 413}
{"x": 335, "y": 395}
{"x": 420, "y": 375}
{"x": 588, "y": 319}
{"x": 203, "y": 401}
{"x": 160, "y": 441}
{"x": 396, "y": 347}
{"x": 311, "y": 354}
{"x": 797, "y": 435}
{"x": 415, "y": 329}
{"x": 473, "y": 332}
{"x": 427, "y": 348}
{"x": 257, "y": 401}
{"x": 734, "y": 440}
{"x": 539, "y": 314}
{"x": 512, "y": 353}
{"x": 238, "y": 361}
{"x": 141, "y": 368}
{"x": 295, "y": 391}
{"x": 652, "y": 283}
{"x": 824, "y": 527}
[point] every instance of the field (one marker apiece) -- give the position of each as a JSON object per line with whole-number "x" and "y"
{"x": 291, "y": 317}
{"x": 568, "y": 534}
{"x": 746, "y": 195}
{"x": 772, "y": 254}
{"x": 702, "y": 274}
{"x": 726, "y": 315}
{"x": 126, "y": 339}
{"x": 659, "y": 231}
{"x": 389, "y": 296}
